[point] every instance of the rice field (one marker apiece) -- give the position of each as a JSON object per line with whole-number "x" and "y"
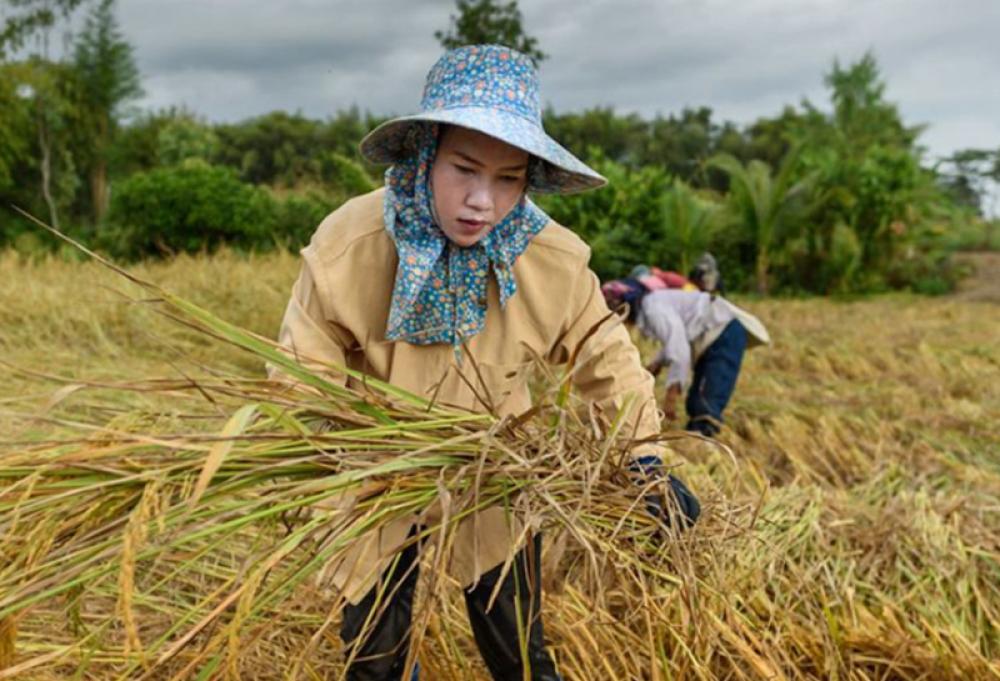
{"x": 852, "y": 526}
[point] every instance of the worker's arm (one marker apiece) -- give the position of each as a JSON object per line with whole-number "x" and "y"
{"x": 608, "y": 370}
{"x": 664, "y": 324}
{"x": 307, "y": 334}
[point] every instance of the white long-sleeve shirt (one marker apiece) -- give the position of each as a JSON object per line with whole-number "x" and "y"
{"x": 679, "y": 320}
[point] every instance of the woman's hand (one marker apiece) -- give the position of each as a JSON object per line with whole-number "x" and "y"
{"x": 679, "y": 507}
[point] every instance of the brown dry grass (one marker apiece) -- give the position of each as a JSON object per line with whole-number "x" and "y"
{"x": 867, "y": 438}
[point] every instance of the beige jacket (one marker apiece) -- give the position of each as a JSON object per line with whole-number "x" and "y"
{"x": 338, "y": 311}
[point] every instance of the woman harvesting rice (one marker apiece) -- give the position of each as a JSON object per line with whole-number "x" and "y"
{"x": 449, "y": 282}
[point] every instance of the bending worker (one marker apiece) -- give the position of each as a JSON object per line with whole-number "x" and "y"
{"x": 702, "y": 339}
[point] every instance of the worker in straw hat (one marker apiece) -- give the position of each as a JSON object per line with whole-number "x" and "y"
{"x": 451, "y": 259}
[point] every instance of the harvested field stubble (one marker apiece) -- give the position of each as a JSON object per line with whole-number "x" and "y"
{"x": 853, "y": 533}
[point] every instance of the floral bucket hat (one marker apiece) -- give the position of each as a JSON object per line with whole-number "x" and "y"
{"x": 493, "y": 90}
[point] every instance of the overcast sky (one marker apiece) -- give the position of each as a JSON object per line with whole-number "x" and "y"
{"x": 230, "y": 59}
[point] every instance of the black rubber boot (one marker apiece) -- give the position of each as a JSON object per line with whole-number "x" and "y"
{"x": 496, "y": 629}
{"x": 380, "y": 654}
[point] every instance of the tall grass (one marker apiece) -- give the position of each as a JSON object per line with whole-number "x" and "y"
{"x": 852, "y": 530}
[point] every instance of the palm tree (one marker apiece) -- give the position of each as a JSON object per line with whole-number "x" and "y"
{"x": 769, "y": 206}
{"x": 689, "y": 224}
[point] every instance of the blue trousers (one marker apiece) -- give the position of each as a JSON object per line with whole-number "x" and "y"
{"x": 714, "y": 380}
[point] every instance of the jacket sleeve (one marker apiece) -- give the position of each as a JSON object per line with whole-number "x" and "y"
{"x": 664, "y": 324}
{"x": 608, "y": 368}
{"x": 307, "y": 333}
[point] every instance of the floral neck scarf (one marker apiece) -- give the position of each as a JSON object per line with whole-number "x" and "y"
{"x": 440, "y": 290}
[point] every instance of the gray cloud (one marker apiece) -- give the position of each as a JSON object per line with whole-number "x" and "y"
{"x": 229, "y": 59}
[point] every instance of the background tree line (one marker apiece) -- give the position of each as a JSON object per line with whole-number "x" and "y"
{"x": 822, "y": 198}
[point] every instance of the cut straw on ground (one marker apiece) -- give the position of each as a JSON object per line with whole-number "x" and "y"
{"x": 174, "y": 527}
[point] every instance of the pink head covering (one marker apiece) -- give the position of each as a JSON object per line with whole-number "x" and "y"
{"x": 670, "y": 279}
{"x": 652, "y": 282}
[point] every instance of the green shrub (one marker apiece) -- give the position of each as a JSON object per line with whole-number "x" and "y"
{"x": 964, "y": 231}
{"x": 298, "y": 216}
{"x": 183, "y": 138}
{"x": 924, "y": 266}
{"x": 644, "y": 216}
{"x": 190, "y": 207}
{"x": 347, "y": 175}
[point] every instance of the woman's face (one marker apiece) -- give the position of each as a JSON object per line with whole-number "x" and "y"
{"x": 476, "y": 180}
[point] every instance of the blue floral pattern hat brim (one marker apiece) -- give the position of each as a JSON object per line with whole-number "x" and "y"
{"x": 493, "y": 90}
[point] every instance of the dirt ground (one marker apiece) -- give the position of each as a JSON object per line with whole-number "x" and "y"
{"x": 984, "y": 282}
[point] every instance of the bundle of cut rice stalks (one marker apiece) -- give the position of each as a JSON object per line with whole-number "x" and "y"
{"x": 135, "y": 548}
